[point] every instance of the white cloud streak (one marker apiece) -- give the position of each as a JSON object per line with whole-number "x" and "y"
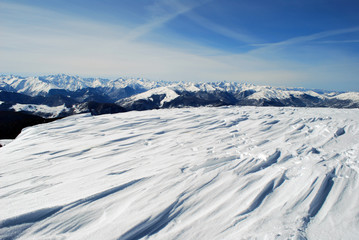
{"x": 339, "y": 41}
{"x": 308, "y": 38}
{"x": 216, "y": 28}
{"x": 159, "y": 21}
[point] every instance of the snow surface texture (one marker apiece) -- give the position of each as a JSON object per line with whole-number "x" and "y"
{"x": 205, "y": 173}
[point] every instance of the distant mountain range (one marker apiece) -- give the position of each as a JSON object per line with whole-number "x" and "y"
{"x": 62, "y": 95}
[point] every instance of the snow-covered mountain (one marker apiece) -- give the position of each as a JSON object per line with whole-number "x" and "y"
{"x": 42, "y": 86}
{"x": 219, "y": 94}
{"x": 194, "y": 173}
{"x": 72, "y": 92}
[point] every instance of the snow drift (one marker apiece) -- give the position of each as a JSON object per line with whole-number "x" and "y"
{"x": 205, "y": 173}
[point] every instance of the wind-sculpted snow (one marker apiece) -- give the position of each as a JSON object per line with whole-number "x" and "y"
{"x": 195, "y": 173}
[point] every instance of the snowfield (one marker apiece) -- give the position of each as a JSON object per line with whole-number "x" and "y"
{"x": 195, "y": 173}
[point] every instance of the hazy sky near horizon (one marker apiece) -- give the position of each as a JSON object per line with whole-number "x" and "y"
{"x": 299, "y": 43}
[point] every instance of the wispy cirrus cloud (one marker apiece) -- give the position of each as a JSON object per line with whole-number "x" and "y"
{"x": 211, "y": 25}
{"x": 167, "y": 15}
{"x": 340, "y": 41}
{"x": 309, "y": 38}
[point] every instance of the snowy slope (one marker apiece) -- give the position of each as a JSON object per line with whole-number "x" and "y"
{"x": 167, "y": 95}
{"x": 43, "y": 110}
{"x": 354, "y": 96}
{"x": 198, "y": 173}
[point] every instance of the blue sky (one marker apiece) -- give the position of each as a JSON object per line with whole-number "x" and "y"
{"x": 311, "y": 44}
